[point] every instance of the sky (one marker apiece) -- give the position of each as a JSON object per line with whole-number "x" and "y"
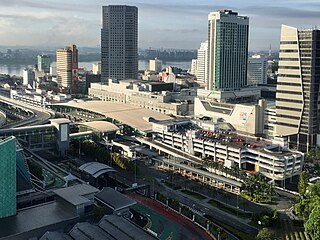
{"x": 178, "y": 24}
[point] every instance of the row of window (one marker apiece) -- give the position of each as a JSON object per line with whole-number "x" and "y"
{"x": 289, "y": 75}
{"x": 289, "y": 108}
{"x": 288, "y": 100}
{"x": 289, "y": 92}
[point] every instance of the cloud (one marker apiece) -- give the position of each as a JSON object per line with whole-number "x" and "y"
{"x": 161, "y": 24}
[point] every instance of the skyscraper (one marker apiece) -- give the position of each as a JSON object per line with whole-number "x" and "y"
{"x": 119, "y": 42}
{"x": 202, "y": 62}
{"x": 67, "y": 66}
{"x": 8, "y": 177}
{"x": 44, "y": 63}
{"x": 297, "y": 97}
{"x": 257, "y": 70}
{"x": 228, "y": 50}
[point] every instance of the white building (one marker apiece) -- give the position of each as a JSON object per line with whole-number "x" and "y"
{"x": 297, "y": 96}
{"x": 221, "y": 145}
{"x": 257, "y": 70}
{"x": 245, "y": 118}
{"x": 270, "y": 120}
{"x": 96, "y": 68}
{"x": 202, "y": 62}
{"x": 194, "y": 67}
{"x": 157, "y": 96}
{"x": 29, "y": 78}
{"x": 155, "y": 65}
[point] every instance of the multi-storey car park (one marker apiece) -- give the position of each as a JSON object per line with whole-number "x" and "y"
{"x": 225, "y": 146}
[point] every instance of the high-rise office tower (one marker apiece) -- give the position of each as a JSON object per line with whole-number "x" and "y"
{"x": 257, "y": 70}
{"x": 67, "y": 66}
{"x": 8, "y": 186}
{"x": 119, "y": 42}
{"x": 228, "y": 50}
{"x": 297, "y": 97}
{"x": 202, "y": 62}
{"x": 44, "y": 63}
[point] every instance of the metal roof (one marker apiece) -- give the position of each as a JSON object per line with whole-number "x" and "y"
{"x": 28, "y": 221}
{"x": 76, "y": 194}
{"x": 101, "y": 126}
{"x": 113, "y": 224}
{"x": 96, "y": 169}
{"x": 114, "y": 199}
{"x": 128, "y": 114}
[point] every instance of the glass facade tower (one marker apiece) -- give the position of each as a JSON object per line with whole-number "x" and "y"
{"x": 8, "y": 177}
{"x": 227, "y": 50}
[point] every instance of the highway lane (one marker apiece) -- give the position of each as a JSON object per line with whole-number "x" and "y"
{"x": 41, "y": 116}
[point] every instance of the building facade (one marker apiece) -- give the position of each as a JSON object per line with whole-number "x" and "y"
{"x": 297, "y": 97}
{"x": 67, "y": 66}
{"x": 257, "y": 70}
{"x": 194, "y": 67}
{"x": 202, "y": 62}
{"x": 156, "y": 96}
{"x": 29, "y": 77}
{"x": 44, "y": 63}
{"x": 119, "y": 42}
{"x": 227, "y": 50}
{"x": 155, "y": 65}
{"x": 8, "y": 177}
{"x": 272, "y": 160}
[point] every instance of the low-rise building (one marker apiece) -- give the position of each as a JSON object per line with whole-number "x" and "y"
{"x": 157, "y": 96}
{"x": 246, "y": 118}
{"x": 223, "y": 145}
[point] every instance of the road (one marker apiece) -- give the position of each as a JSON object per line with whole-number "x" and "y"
{"x": 41, "y": 115}
{"x": 215, "y": 213}
{"x": 218, "y": 215}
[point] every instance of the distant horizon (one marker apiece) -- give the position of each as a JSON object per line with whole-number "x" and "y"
{"x": 53, "y": 48}
{"x": 162, "y": 24}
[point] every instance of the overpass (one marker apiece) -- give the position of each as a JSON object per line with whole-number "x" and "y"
{"x": 197, "y": 174}
{"x": 34, "y": 115}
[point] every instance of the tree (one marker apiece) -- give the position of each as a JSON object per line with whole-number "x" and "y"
{"x": 303, "y": 183}
{"x": 312, "y": 226}
{"x": 265, "y": 234}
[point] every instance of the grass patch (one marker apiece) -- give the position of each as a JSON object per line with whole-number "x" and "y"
{"x": 194, "y": 194}
{"x": 229, "y": 209}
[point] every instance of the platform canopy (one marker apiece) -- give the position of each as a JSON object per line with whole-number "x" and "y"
{"x": 101, "y": 126}
{"x": 96, "y": 169}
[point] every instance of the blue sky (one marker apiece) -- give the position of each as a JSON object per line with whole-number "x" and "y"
{"x": 166, "y": 23}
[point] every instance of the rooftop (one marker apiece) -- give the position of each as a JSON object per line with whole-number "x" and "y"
{"x": 75, "y": 194}
{"x": 110, "y": 227}
{"x": 126, "y": 113}
{"x": 96, "y": 169}
{"x": 101, "y": 126}
{"x": 29, "y": 222}
{"x": 114, "y": 199}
